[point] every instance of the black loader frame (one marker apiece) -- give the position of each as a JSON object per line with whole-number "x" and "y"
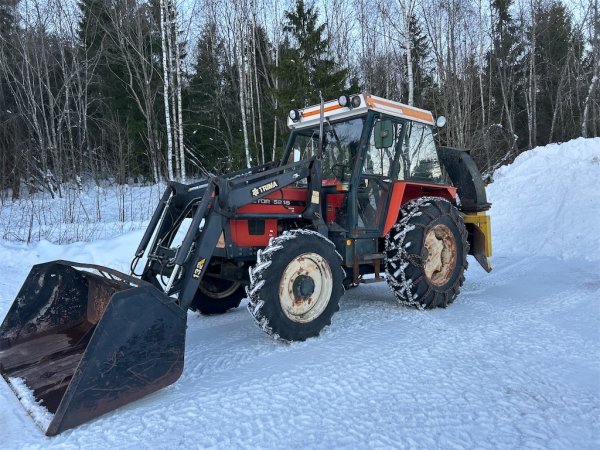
{"x": 210, "y": 203}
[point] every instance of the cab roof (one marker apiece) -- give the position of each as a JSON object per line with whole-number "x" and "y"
{"x": 310, "y": 115}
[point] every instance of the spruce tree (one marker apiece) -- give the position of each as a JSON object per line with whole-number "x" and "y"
{"x": 95, "y": 40}
{"x": 420, "y": 59}
{"x": 112, "y": 113}
{"x": 507, "y": 73}
{"x": 556, "y": 50}
{"x": 7, "y": 16}
{"x": 304, "y": 68}
{"x": 11, "y": 127}
{"x": 204, "y": 115}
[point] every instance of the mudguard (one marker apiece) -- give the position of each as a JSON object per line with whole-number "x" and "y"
{"x": 466, "y": 177}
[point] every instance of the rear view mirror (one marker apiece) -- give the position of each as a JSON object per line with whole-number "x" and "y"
{"x": 383, "y": 134}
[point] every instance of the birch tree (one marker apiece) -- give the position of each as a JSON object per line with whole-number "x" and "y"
{"x": 172, "y": 92}
{"x": 595, "y": 80}
{"x": 240, "y": 38}
{"x": 407, "y": 7}
{"x": 166, "y": 89}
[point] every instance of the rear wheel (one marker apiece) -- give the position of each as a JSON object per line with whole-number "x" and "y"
{"x": 217, "y": 296}
{"x": 296, "y": 285}
{"x": 426, "y": 253}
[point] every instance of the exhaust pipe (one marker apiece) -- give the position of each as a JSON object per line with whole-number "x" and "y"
{"x": 77, "y": 344}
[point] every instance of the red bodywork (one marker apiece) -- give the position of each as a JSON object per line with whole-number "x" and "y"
{"x": 289, "y": 200}
{"x": 404, "y": 191}
{"x": 292, "y": 200}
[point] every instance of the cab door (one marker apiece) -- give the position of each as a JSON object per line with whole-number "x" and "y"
{"x": 378, "y": 171}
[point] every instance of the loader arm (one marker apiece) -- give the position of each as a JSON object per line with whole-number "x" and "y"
{"x": 212, "y": 202}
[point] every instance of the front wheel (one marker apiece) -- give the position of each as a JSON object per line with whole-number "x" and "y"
{"x": 426, "y": 253}
{"x": 296, "y": 285}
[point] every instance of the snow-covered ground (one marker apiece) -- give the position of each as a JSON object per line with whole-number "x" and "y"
{"x": 513, "y": 363}
{"x": 80, "y": 213}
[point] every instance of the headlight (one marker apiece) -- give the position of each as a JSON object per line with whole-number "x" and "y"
{"x": 294, "y": 115}
{"x": 344, "y": 101}
{"x": 355, "y": 101}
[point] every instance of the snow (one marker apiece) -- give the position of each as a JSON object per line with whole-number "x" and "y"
{"x": 547, "y": 202}
{"x": 38, "y": 412}
{"x": 83, "y": 213}
{"x": 514, "y": 362}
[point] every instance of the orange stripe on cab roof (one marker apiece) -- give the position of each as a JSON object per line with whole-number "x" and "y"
{"x": 405, "y": 110}
{"x": 318, "y": 111}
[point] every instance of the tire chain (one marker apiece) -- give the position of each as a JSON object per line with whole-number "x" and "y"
{"x": 395, "y": 242}
{"x": 263, "y": 261}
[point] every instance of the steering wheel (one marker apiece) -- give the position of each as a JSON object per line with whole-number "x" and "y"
{"x": 339, "y": 171}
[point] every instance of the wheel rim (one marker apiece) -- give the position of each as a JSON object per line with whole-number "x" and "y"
{"x": 441, "y": 258}
{"x": 305, "y": 287}
{"x": 218, "y": 289}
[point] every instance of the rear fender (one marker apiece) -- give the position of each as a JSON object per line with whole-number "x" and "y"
{"x": 403, "y": 191}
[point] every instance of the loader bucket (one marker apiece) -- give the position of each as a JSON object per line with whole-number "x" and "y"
{"x": 76, "y": 344}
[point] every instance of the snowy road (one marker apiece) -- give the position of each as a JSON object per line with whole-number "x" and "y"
{"x": 513, "y": 363}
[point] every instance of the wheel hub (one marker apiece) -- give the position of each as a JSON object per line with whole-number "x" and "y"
{"x": 441, "y": 254}
{"x": 305, "y": 288}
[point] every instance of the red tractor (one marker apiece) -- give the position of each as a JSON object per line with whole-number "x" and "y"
{"x": 362, "y": 189}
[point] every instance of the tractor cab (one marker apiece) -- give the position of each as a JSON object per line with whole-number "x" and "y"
{"x": 371, "y": 148}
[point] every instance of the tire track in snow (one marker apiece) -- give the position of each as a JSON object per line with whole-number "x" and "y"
{"x": 381, "y": 376}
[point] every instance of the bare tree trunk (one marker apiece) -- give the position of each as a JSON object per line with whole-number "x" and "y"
{"x": 249, "y": 78}
{"x": 277, "y": 44}
{"x": 531, "y": 100}
{"x": 276, "y": 105}
{"x": 595, "y": 74}
{"x": 586, "y": 110}
{"x": 480, "y": 69}
{"x": 170, "y": 35}
{"x": 407, "y": 12}
{"x": 166, "y": 90}
{"x": 182, "y": 173}
{"x": 559, "y": 92}
{"x": 257, "y": 84}
{"x": 242, "y": 85}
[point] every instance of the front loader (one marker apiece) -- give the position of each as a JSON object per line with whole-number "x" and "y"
{"x": 361, "y": 191}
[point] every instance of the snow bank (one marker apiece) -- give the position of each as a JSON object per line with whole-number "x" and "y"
{"x": 115, "y": 253}
{"x": 547, "y": 202}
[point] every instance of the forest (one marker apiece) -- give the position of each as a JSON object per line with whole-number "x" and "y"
{"x": 133, "y": 91}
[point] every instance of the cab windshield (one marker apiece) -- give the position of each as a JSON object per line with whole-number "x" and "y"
{"x": 340, "y": 144}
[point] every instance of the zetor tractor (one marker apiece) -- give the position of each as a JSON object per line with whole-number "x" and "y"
{"x": 361, "y": 190}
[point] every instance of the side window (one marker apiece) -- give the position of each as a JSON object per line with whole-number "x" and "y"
{"x": 379, "y": 159}
{"x": 304, "y": 147}
{"x": 419, "y": 159}
{"x": 340, "y": 144}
